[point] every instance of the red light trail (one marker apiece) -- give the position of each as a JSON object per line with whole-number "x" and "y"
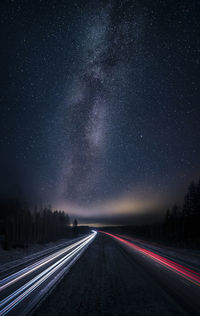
{"x": 185, "y": 272}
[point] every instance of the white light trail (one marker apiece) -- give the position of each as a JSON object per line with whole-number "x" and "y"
{"x": 17, "y": 296}
{"x": 22, "y": 273}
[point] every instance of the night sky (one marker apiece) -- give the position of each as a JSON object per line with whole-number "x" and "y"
{"x": 100, "y": 105}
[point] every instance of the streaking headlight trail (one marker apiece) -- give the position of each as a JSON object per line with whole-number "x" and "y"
{"x": 17, "y": 296}
{"x": 22, "y": 273}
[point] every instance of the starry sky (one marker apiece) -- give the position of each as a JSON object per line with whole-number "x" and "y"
{"x": 100, "y": 105}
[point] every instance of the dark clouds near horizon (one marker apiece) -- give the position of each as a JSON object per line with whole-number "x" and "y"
{"x": 100, "y": 99}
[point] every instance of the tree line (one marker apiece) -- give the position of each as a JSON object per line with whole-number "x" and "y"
{"x": 20, "y": 227}
{"x": 181, "y": 224}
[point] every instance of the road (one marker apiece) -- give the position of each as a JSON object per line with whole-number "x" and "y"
{"x": 114, "y": 277}
{"x": 25, "y": 286}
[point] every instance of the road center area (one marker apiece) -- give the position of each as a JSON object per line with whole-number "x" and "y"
{"x": 107, "y": 281}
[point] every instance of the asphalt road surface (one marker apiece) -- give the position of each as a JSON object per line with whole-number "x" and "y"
{"x": 117, "y": 277}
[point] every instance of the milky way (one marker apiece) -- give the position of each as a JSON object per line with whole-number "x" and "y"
{"x": 100, "y": 103}
{"x": 87, "y": 118}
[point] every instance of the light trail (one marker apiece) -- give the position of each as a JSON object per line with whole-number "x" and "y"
{"x": 20, "y": 294}
{"x": 185, "y": 272}
{"x": 38, "y": 276}
{"x": 33, "y": 267}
